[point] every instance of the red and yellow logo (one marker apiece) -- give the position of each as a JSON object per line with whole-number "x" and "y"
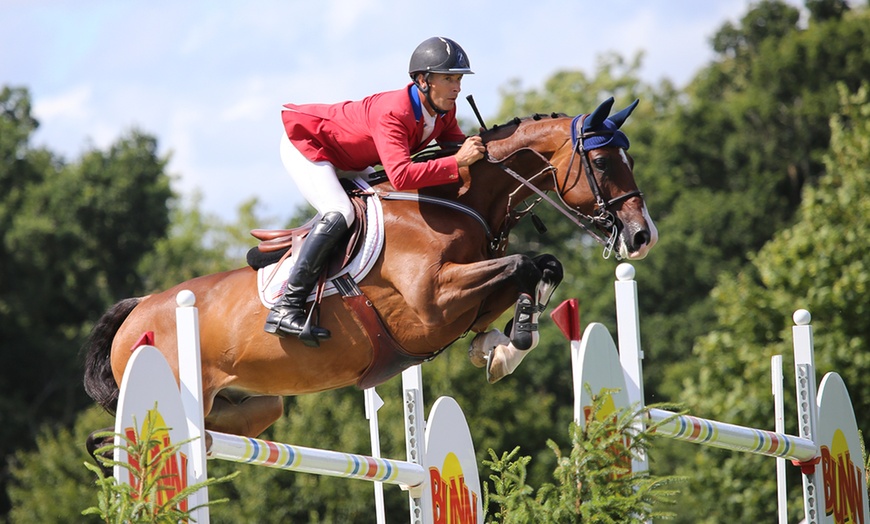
{"x": 842, "y": 482}
{"x": 453, "y": 502}
{"x": 609, "y": 411}
{"x": 172, "y": 476}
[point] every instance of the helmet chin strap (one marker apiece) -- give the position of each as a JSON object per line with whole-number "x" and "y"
{"x": 425, "y": 91}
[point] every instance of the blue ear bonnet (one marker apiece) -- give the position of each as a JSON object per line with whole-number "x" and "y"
{"x": 604, "y": 130}
{"x": 610, "y": 136}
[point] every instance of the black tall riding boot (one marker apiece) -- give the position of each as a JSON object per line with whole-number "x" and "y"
{"x": 287, "y": 316}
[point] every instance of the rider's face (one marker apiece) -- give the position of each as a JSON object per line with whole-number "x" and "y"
{"x": 444, "y": 89}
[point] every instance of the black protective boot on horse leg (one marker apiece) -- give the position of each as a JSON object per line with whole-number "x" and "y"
{"x": 288, "y": 316}
{"x": 522, "y": 328}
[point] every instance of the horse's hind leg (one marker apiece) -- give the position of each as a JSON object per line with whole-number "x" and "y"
{"x": 246, "y": 416}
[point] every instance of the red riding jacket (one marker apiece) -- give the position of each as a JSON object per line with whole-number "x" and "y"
{"x": 384, "y": 128}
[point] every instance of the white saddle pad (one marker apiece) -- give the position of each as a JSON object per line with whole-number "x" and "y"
{"x": 271, "y": 282}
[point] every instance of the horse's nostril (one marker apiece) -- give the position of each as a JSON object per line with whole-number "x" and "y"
{"x": 641, "y": 238}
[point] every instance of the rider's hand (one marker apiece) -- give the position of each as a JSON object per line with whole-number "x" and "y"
{"x": 471, "y": 151}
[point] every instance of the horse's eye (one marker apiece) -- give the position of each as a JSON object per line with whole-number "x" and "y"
{"x": 600, "y": 163}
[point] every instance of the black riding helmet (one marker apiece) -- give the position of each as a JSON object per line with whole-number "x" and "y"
{"x": 438, "y": 55}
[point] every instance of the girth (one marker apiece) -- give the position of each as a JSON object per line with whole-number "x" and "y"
{"x": 389, "y": 358}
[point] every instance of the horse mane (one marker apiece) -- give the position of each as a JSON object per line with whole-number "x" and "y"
{"x": 500, "y": 131}
{"x": 515, "y": 121}
{"x": 496, "y": 132}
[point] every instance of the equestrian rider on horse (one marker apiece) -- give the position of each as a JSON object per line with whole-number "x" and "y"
{"x": 322, "y": 142}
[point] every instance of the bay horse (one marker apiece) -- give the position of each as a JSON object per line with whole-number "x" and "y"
{"x": 443, "y": 273}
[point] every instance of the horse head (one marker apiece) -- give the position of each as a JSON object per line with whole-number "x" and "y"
{"x": 592, "y": 174}
{"x": 602, "y": 149}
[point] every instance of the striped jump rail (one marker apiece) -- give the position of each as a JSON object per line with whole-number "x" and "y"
{"x": 731, "y": 436}
{"x": 246, "y": 450}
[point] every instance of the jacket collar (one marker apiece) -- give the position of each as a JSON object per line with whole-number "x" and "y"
{"x": 416, "y": 103}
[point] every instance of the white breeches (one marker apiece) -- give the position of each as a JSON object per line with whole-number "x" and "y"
{"x": 318, "y": 181}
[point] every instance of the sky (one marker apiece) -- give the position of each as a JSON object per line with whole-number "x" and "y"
{"x": 208, "y": 78}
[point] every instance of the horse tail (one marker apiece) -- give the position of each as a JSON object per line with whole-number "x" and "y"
{"x": 99, "y": 380}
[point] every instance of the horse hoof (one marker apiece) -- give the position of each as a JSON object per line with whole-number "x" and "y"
{"x": 503, "y": 361}
{"x": 96, "y": 444}
{"x": 477, "y": 357}
{"x": 482, "y": 345}
{"x": 497, "y": 366}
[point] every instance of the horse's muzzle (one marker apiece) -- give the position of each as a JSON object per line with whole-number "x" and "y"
{"x": 636, "y": 239}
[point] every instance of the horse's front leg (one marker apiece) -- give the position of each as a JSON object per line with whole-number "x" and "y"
{"x": 484, "y": 289}
{"x": 523, "y": 328}
{"x": 502, "y": 354}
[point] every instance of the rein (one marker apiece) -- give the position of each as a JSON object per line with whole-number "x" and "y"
{"x": 456, "y": 206}
{"x": 572, "y": 214}
{"x": 603, "y": 218}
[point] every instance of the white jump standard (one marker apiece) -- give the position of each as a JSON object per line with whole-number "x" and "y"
{"x": 436, "y": 493}
{"x": 828, "y": 449}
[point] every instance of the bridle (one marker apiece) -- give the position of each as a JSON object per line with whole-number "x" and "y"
{"x": 603, "y": 218}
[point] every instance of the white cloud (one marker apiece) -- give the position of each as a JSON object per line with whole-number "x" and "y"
{"x": 344, "y": 17}
{"x": 204, "y": 33}
{"x": 72, "y": 104}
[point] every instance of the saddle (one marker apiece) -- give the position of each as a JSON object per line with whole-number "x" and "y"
{"x": 277, "y": 244}
{"x": 389, "y": 358}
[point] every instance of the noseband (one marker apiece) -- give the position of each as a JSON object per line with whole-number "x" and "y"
{"x": 603, "y": 218}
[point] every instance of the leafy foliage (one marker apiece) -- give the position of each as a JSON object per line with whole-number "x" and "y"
{"x": 148, "y": 498}
{"x": 594, "y": 483}
{"x": 817, "y": 264}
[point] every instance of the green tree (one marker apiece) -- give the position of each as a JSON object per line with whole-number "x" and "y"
{"x": 766, "y": 19}
{"x": 728, "y": 164}
{"x": 50, "y": 483}
{"x": 824, "y": 10}
{"x": 72, "y": 236}
{"x": 199, "y": 243}
{"x": 817, "y": 264}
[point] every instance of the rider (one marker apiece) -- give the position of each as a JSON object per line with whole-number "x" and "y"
{"x": 322, "y": 142}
